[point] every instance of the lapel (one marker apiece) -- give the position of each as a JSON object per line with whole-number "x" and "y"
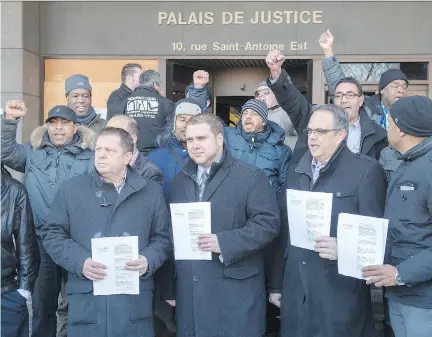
{"x": 304, "y": 167}
{"x": 190, "y": 183}
{"x": 134, "y": 183}
{"x": 367, "y": 129}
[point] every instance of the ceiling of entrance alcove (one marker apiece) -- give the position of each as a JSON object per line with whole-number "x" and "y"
{"x": 232, "y": 63}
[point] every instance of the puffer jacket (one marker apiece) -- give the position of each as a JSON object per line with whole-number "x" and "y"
{"x": 265, "y": 150}
{"x": 45, "y": 166}
{"x": 19, "y": 260}
{"x": 170, "y": 158}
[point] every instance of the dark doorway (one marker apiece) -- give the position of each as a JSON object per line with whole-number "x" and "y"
{"x": 228, "y": 108}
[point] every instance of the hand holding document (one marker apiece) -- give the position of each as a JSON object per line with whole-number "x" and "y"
{"x": 189, "y": 221}
{"x": 309, "y": 217}
{"x": 114, "y": 253}
{"x": 361, "y": 242}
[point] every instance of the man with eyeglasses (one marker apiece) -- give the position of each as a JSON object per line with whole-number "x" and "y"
{"x": 393, "y": 83}
{"x": 315, "y": 300}
{"x": 277, "y": 114}
{"x": 364, "y": 137}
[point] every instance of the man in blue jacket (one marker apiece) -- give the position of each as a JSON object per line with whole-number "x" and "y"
{"x": 407, "y": 275}
{"x": 260, "y": 142}
{"x": 172, "y": 154}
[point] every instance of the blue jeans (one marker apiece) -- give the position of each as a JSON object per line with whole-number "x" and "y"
{"x": 14, "y": 315}
{"x": 408, "y": 321}
{"x": 45, "y": 296}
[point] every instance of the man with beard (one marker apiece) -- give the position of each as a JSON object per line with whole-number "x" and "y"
{"x": 79, "y": 98}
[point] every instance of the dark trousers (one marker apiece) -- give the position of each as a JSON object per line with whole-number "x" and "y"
{"x": 45, "y": 296}
{"x": 14, "y": 315}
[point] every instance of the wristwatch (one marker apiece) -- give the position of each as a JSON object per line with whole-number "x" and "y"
{"x": 398, "y": 279}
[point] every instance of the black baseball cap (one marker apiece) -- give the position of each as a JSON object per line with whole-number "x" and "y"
{"x": 62, "y": 111}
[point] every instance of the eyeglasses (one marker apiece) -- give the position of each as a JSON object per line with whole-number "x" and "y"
{"x": 318, "y": 132}
{"x": 348, "y": 95}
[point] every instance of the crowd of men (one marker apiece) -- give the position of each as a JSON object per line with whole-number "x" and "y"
{"x": 86, "y": 177}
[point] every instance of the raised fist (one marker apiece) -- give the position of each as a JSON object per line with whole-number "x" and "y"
{"x": 274, "y": 61}
{"x": 200, "y": 78}
{"x": 15, "y": 109}
{"x": 326, "y": 40}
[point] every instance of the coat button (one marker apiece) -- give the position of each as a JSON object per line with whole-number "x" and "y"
{"x": 404, "y": 197}
{"x": 338, "y": 194}
{"x": 410, "y": 256}
{"x": 303, "y": 263}
{"x": 195, "y": 278}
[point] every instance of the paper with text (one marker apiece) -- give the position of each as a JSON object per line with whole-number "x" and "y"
{"x": 361, "y": 242}
{"x": 189, "y": 220}
{"x": 309, "y": 216}
{"x": 114, "y": 252}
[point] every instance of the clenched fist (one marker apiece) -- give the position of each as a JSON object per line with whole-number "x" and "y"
{"x": 326, "y": 42}
{"x": 200, "y": 78}
{"x": 15, "y": 109}
{"x": 274, "y": 61}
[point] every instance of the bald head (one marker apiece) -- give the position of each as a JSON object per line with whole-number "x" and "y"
{"x": 126, "y": 123}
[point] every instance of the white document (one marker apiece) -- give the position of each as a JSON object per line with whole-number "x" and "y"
{"x": 189, "y": 220}
{"x": 114, "y": 252}
{"x": 361, "y": 242}
{"x": 309, "y": 216}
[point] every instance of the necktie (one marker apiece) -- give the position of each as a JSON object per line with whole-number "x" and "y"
{"x": 202, "y": 184}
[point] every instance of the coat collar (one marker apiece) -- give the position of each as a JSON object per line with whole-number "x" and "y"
{"x": 305, "y": 164}
{"x": 369, "y": 128}
{"x": 84, "y": 138}
{"x": 218, "y": 172}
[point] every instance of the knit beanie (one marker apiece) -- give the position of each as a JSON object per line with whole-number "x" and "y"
{"x": 413, "y": 115}
{"x": 77, "y": 81}
{"x": 186, "y": 106}
{"x": 258, "y": 106}
{"x": 390, "y": 76}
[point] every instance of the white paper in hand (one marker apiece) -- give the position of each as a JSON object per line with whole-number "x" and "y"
{"x": 361, "y": 242}
{"x": 114, "y": 252}
{"x": 189, "y": 220}
{"x": 309, "y": 216}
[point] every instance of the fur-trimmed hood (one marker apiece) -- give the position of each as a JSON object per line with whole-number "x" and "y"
{"x": 87, "y": 137}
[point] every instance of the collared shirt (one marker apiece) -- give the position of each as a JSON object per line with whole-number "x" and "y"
{"x": 316, "y": 168}
{"x": 201, "y": 170}
{"x": 383, "y": 122}
{"x": 354, "y": 137}
{"x": 122, "y": 184}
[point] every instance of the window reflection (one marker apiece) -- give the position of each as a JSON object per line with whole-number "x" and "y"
{"x": 372, "y": 71}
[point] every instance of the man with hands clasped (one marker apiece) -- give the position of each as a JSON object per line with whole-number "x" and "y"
{"x": 112, "y": 201}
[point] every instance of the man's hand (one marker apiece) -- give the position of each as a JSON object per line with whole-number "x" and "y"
{"x": 274, "y": 61}
{"x": 209, "y": 243}
{"x": 93, "y": 270}
{"x": 326, "y": 246}
{"x": 275, "y": 299}
{"x": 200, "y": 78}
{"x": 15, "y": 109}
{"x": 381, "y": 276}
{"x": 171, "y": 302}
{"x": 326, "y": 42}
{"x": 141, "y": 265}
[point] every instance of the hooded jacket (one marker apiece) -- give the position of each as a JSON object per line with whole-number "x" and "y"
{"x": 265, "y": 150}
{"x": 45, "y": 166}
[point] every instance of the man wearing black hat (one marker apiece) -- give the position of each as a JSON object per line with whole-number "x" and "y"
{"x": 407, "y": 275}
{"x": 57, "y": 151}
